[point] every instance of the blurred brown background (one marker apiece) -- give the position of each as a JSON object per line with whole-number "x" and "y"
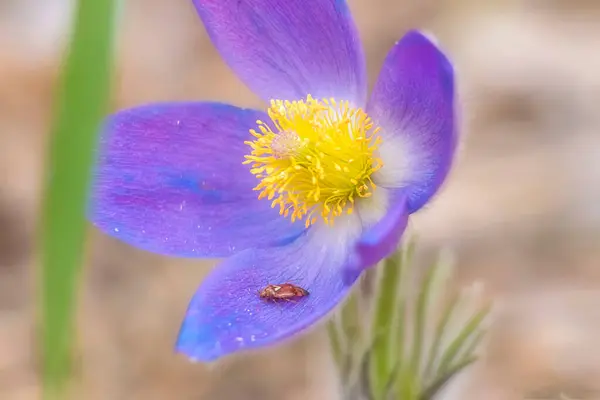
{"x": 521, "y": 210}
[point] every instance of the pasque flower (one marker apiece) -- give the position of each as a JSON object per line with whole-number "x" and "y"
{"x": 311, "y": 191}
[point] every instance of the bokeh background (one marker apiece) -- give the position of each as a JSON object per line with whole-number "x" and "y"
{"x": 521, "y": 209}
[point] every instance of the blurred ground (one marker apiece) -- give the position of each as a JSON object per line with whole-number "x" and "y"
{"x": 522, "y": 208}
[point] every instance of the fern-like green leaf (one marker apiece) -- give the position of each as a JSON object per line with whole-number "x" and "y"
{"x": 387, "y": 351}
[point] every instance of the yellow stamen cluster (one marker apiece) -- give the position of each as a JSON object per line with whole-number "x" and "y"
{"x": 316, "y": 158}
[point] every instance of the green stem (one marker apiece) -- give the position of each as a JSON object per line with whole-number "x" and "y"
{"x": 80, "y": 107}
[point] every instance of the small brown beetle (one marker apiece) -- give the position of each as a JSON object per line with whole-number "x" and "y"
{"x": 285, "y": 291}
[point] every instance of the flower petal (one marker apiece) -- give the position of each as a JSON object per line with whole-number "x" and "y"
{"x": 287, "y": 49}
{"x": 382, "y": 239}
{"x": 170, "y": 180}
{"x": 414, "y": 103}
{"x": 227, "y": 315}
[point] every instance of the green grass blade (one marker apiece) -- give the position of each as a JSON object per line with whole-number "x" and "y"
{"x": 440, "y": 332}
{"x": 335, "y": 343}
{"x": 470, "y": 329}
{"x": 380, "y": 364}
{"x": 410, "y": 376}
{"x": 421, "y": 319}
{"x": 350, "y": 319}
{"x": 402, "y": 377}
{"x": 469, "y": 350}
{"x": 466, "y": 358}
{"x": 399, "y": 335}
{"x": 439, "y": 383}
{"x": 345, "y": 337}
{"x": 388, "y": 324}
{"x": 81, "y": 105}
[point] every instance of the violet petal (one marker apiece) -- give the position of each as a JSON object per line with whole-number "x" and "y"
{"x": 170, "y": 180}
{"x": 227, "y": 315}
{"x": 287, "y": 49}
{"x": 414, "y": 103}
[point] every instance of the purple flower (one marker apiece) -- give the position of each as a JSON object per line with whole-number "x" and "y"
{"x": 311, "y": 192}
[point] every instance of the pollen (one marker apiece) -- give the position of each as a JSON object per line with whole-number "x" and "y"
{"x": 315, "y": 158}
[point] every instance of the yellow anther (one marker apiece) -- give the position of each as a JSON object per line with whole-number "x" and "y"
{"x": 317, "y": 159}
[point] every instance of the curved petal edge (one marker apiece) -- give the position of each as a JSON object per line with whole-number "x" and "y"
{"x": 383, "y": 238}
{"x": 414, "y": 103}
{"x": 227, "y": 315}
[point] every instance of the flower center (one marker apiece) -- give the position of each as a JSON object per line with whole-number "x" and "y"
{"x": 317, "y": 161}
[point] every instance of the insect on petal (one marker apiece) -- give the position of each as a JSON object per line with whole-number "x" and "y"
{"x": 228, "y": 315}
